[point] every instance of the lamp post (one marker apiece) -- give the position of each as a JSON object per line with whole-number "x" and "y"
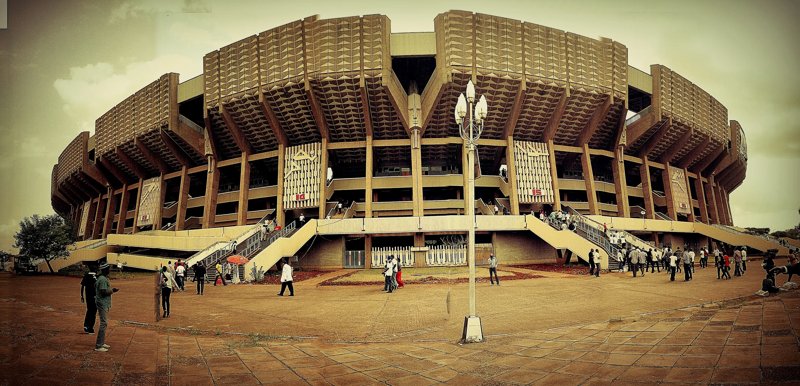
{"x": 469, "y": 115}
{"x": 644, "y": 220}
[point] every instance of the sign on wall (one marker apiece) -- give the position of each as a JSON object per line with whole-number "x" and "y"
{"x": 301, "y": 176}
{"x": 680, "y": 191}
{"x": 532, "y": 165}
{"x": 151, "y": 193}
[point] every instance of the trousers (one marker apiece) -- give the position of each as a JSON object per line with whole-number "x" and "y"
{"x": 493, "y": 271}
{"x": 287, "y": 284}
{"x": 91, "y": 315}
{"x": 101, "y": 332}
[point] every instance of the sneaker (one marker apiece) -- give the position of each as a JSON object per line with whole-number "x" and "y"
{"x": 106, "y": 346}
{"x": 90, "y": 332}
{"x": 101, "y": 349}
{"x": 280, "y": 294}
{"x": 86, "y": 330}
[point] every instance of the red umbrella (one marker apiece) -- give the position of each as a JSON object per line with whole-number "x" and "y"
{"x": 237, "y": 259}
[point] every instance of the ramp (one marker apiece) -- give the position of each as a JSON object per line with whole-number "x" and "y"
{"x": 129, "y": 260}
{"x": 86, "y": 252}
{"x": 279, "y": 248}
{"x": 565, "y": 239}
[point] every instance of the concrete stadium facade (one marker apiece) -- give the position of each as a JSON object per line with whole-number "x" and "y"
{"x": 256, "y": 134}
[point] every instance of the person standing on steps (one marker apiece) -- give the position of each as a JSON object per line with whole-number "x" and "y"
{"x": 87, "y": 296}
{"x": 102, "y": 296}
{"x": 286, "y": 278}
{"x": 493, "y": 269}
{"x": 200, "y": 276}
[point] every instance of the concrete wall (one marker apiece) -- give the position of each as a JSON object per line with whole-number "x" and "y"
{"x": 522, "y": 248}
{"x": 324, "y": 254}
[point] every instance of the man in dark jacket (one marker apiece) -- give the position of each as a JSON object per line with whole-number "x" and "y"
{"x": 200, "y": 276}
{"x": 87, "y": 296}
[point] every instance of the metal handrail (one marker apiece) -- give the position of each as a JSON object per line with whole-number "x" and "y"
{"x": 593, "y": 234}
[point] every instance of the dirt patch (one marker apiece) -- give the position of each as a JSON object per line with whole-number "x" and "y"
{"x": 569, "y": 270}
{"x": 297, "y": 276}
{"x": 508, "y": 275}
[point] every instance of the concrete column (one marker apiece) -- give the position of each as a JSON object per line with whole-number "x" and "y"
{"x": 419, "y": 257}
{"x": 162, "y": 193}
{"x": 416, "y": 180}
{"x": 108, "y": 222}
{"x": 244, "y": 190}
{"x": 713, "y": 213}
{"x": 367, "y": 251}
{"x": 368, "y": 181}
{"x": 666, "y": 178}
{"x": 721, "y": 211}
{"x": 323, "y": 173}
{"x": 512, "y": 176}
{"x": 183, "y": 200}
{"x": 620, "y": 183}
{"x": 98, "y": 214}
{"x": 138, "y": 205}
{"x": 211, "y": 195}
{"x": 465, "y": 178}
{"x": 588, "y": 177}
{"x": 125, "y": 197}
{"x": 701, "y": 198}
{"x": 554, "y": 175}
{"x": 647, "y": 190}
{"x": 280, "y": 216}
{"x": 689, "y": 193}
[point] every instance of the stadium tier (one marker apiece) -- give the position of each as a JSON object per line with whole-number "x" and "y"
{"x": 351, "y": 127}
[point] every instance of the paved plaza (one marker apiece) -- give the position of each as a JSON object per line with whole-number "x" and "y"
{"x": 557, "y": 329}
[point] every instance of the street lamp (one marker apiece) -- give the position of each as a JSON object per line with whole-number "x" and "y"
{"x": 644, "y": 220}
{"x": 469, "y": 115}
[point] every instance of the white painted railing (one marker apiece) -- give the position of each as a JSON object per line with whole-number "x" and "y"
{"x": 380, "y": 254}
{"x": 442, "y": 255}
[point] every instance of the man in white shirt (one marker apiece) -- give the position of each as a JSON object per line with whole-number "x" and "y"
{"x": 673, "y": 266}
{"x": 180, "y": 274}
{"x": 687, "y": 265}
{"x": 744, "y": 259}
{"x": 691, "y": 259}
{"x": 286, "y": 278}
{"x": 388, "y": 269}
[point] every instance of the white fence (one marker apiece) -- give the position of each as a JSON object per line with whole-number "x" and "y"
{"x": 380, "y": 254}
{"x": 443, "y": 255}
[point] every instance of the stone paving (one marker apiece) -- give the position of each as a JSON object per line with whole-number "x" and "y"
{"x": 742, "y": 340}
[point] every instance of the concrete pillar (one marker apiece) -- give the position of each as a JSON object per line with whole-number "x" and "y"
{"x": 666, "y": 178}
{"x": 367, "y": 251}
{"x": 701, "y": 198}
{"x": 244, "y": 190}
{"x": 323, "y": 173}
{"x": 280, "y": 216}
{"x": 620, "y": 183}
{"x": 713, "y": 213}
{"x": 512, "y": 176}
{"x": 138, "y": 205}
{"x": 419, "y": 257}
{"x": 588, "y": 178}
{"x": 108, "y": 222}
{"x": 647, "y": 190}
{"x": 162, "y": 193}
{"x": 125, "y": 197}
{"x": 212, "y": 191}
{"x": 183, "y": 200}
{"x": 416, "y": 180}
{"x": 368, "y": 180}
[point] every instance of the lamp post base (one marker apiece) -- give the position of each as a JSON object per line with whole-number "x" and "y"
{"x": 473, "y": 331}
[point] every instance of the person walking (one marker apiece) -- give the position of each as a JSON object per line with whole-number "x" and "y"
{"x": 633, "y": 260}
{"x": 180, "y": 275}
{"x": 168, "y": 284}
{"x": 744, "y": 260}
{"x": 737, "y": 259}
{"x": 691, "y": 258}
{"x": 87, "y": 296}
{"x": 621, "y": 260}
{"x": 719, "y": 263}
{"x": 591, "y": 262}
{"x": 596, "y": 264}
{"x": 286, "y": 278}
{"x": 200, "y": 277}
{"x": 220, "y": 275}
{"x": 493, "y": 269}
{"x": 388, "y": 268}
{"x": 687, "y": 265}
{"x": 673, "y": 266}
{"x": 400, "y": 283}
{"x": 726, "y": 269}
{"x": 395, "y": 263}
{"x": 102, "y": 296}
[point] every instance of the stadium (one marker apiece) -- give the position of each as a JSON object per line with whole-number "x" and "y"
{"x": 342, "y": 135}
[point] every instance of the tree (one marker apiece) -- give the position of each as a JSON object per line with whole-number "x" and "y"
{"x": 43, "y": 237}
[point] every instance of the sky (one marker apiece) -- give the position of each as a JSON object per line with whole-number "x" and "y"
{"x": 64, "y": 63}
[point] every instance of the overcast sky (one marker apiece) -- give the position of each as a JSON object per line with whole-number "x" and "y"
{"x": 64, "y": 63}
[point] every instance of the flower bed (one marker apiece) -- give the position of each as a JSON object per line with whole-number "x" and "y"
{"x": 428, "y": 279}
